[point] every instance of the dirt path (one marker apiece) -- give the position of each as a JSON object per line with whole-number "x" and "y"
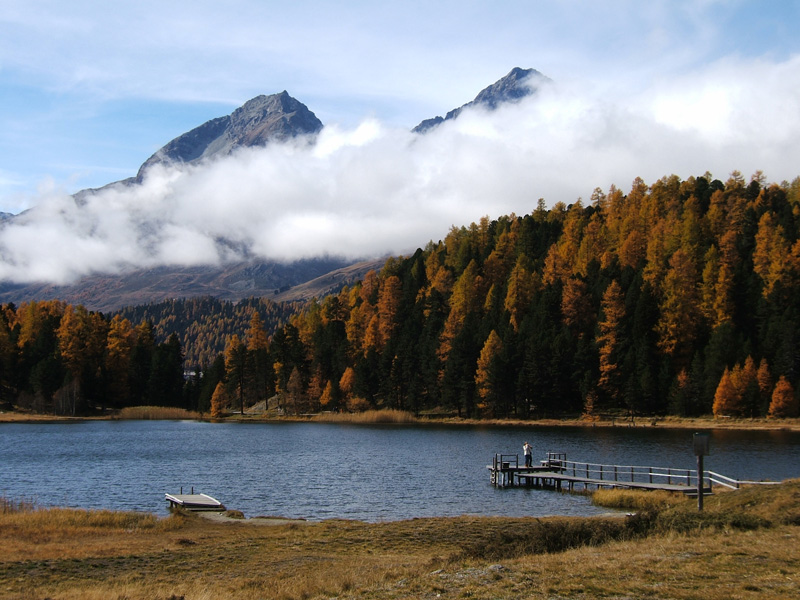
{"x": 226, "y": 517}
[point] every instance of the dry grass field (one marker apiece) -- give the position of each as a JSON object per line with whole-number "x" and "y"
{"x": 746, "y": 544}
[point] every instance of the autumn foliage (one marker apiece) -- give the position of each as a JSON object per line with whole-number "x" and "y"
{"x": 784, "y": 401}
{"x": 679, "y": 297}
{"x": 67, "y": 360}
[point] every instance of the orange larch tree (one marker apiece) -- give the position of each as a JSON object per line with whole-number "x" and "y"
{"x": 219, "y": 401}
{"x": 609, "y": 340}
{"x": 745, "y": 381}
{"x": 771, "y": 252}
{"x": 388, "y": 306}
{"x": 487, "y": 375}
{"x": 326, "y": 400}
{"x": 260, "y": 374}
{"x": 467, "y": 297}
{"x": 81, "y": 344}
{"x": 522, "y": 285}
{"x": 119, "y": 346}
{"x": 726, "y": 399}
{"x": 784, "y": 401}
{"x": 347, "y": 382}
{"x": 677, "y": 325}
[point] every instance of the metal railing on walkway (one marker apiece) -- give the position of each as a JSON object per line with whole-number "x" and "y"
{"x": 506, "y": 470}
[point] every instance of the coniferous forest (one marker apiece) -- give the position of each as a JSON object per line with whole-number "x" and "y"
{"x": 64, "y": 359}
{"x": 680, "y": 297}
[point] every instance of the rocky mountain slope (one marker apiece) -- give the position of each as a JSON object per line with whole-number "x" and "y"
{"x": 511, "y": 88}
{"x": 299, "y": 280}
{"x": 259, "y": 121}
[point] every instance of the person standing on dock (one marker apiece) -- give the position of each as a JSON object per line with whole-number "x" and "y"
{"x": 526, "y": 450}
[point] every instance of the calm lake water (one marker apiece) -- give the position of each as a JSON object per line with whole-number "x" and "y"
{"x": 321, "y": 471}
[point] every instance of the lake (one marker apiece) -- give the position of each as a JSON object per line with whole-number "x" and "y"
{"x": 321, "y": 471}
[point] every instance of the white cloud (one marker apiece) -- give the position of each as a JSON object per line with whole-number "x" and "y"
{"x": 374, "y": 189}
{"x": 91, "y": 88}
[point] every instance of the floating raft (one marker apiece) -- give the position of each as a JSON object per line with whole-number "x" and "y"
{"x": 194, "y": 502}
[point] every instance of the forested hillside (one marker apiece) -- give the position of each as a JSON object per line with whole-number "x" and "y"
{"x": 64, "y": 359}
{"x": 681, "y": 297}
{"x": 204, "y": 325}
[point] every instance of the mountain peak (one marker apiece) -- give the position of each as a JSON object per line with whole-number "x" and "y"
{"x": 511, "y": 88}
{"x": 257, "y": 122}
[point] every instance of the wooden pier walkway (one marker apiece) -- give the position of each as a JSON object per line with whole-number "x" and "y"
{"x": 556, "y": 472}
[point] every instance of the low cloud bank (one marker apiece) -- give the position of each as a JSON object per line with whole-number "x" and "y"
{"x": 374, "y": 190}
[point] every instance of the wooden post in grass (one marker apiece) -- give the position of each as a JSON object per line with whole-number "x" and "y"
{"x": 700, "y": 443}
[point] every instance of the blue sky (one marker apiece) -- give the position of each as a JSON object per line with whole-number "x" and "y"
{"x": 89, "y": 90}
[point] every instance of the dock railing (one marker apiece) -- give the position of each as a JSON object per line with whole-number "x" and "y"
{"x": 734, "y": 483}
{"x": 723, "y": 480}
{"x": 506, "y": 471}
{"x": 505, "y": 461}
{"x": 624, "y": 473}
{"x": 557, "y": 461}
{"x": 503, "y": 467}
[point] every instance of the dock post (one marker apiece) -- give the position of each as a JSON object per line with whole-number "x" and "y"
{"x": 700, "y": 483}
{"x": 700, "y": 444}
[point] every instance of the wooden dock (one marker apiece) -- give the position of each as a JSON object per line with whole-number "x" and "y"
{"x": 194, "y": 502}
{"x": 558, "y": 473}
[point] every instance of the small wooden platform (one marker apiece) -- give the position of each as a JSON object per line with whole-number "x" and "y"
{"x": 194, "y": 502}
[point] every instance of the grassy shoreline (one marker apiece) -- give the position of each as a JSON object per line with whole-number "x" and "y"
{"x": 395, "y": 417}
{"x": 746, "y": 544}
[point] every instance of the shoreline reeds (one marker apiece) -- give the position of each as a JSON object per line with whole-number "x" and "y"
{"x": 10, "y": 506}
{"x": 156, "y": 413}
{"x": 636, "y": 500}
{"x": 369, "y": 417}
